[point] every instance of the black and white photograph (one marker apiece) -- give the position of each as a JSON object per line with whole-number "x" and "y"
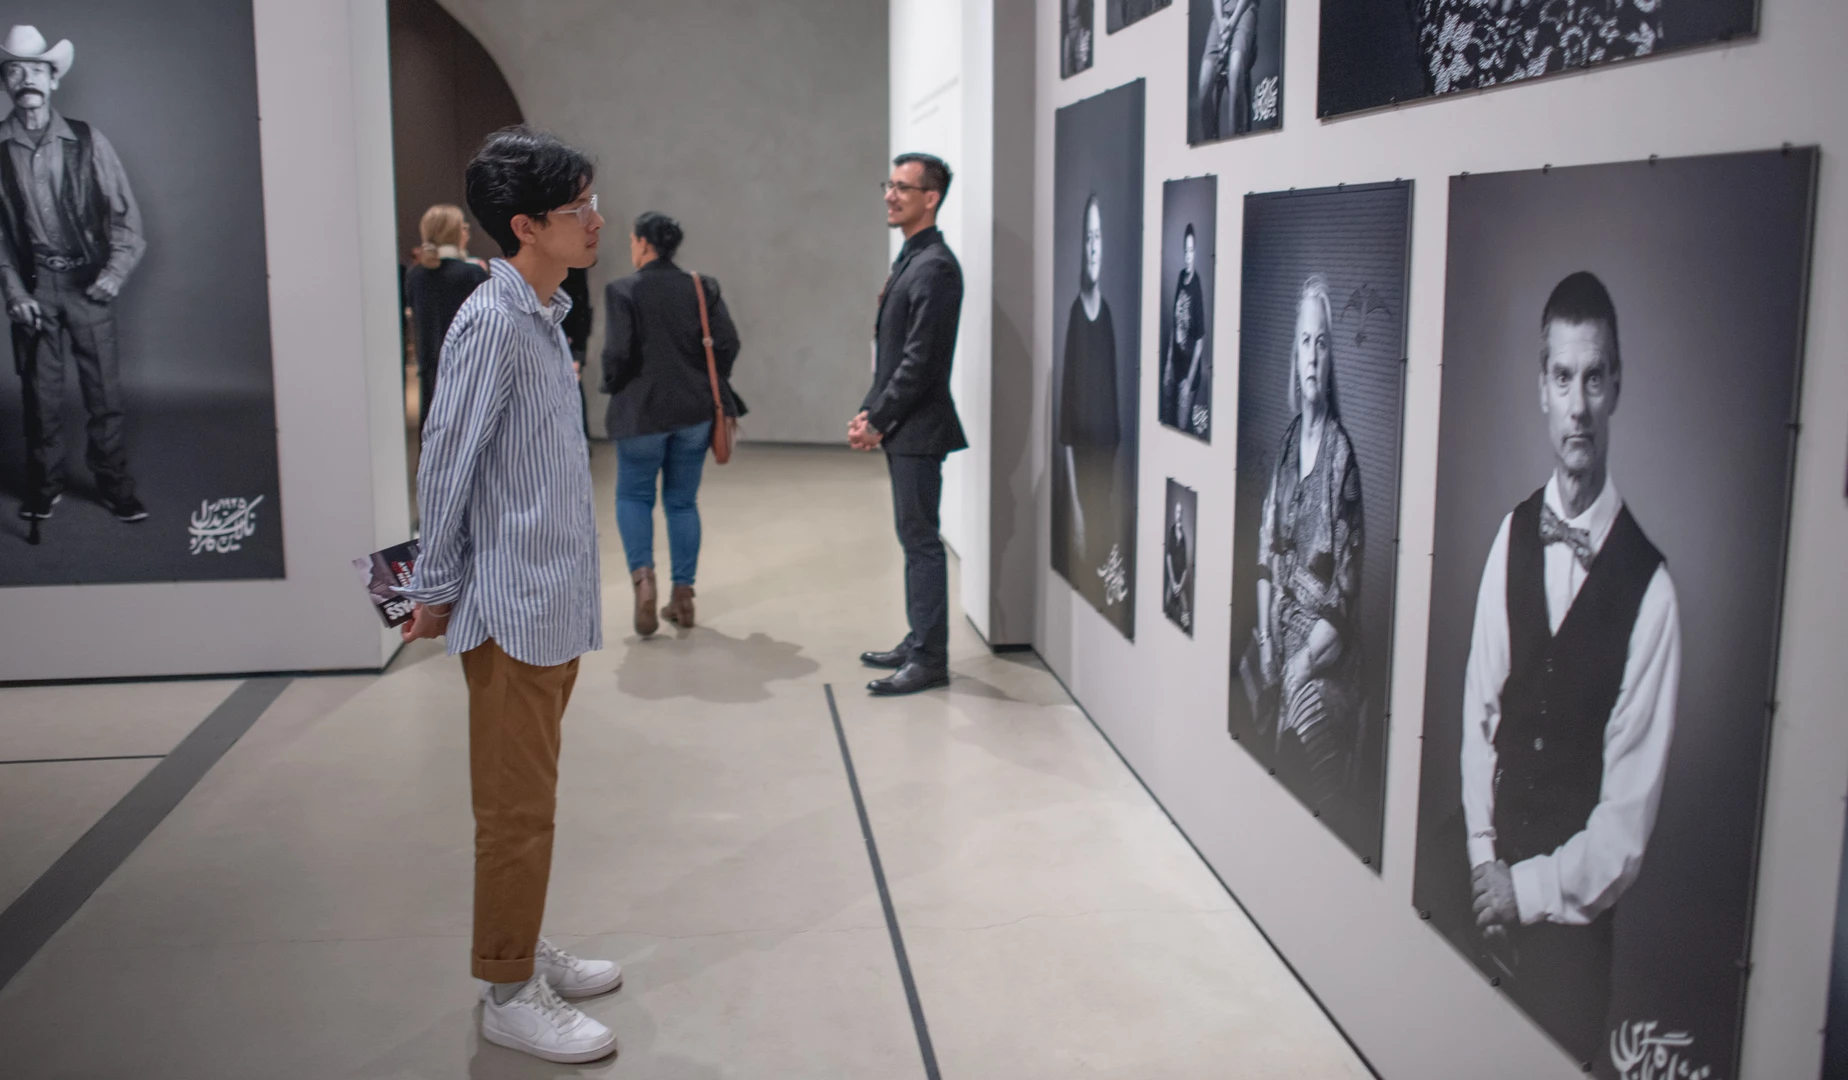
{"x": 1097, "y": 325}
{"x": 138, "y": 411}
{"x": 1381, "y": 52}
{"x": 1121, "y": 13}
{"x": 1189, "y": 217}
{"x": 1234, "y": 68}
{"x": 1077, "y": 37}
{"x": 1622, "y": 346}
{"x": 1321, "y": 378}
{"x": 1178, "y": 553}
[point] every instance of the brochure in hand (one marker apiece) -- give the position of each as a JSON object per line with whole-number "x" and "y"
{"x": 383, "y": 573}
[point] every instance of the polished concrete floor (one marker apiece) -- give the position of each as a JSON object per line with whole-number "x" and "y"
{"x": 304, "y": 912}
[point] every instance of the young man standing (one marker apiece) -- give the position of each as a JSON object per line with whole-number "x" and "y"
{"x": 910, "y": 414}
{"x": 509, "y": 572}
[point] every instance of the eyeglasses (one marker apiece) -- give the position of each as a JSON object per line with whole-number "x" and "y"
{"x": 889, "y": 186}
{"x": 579, "y": 211}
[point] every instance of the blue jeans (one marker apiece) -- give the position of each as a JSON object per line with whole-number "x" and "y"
{"x": 678, "y": 458}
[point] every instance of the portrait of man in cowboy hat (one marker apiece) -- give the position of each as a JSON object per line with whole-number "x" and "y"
{"x": 70, "y": 237}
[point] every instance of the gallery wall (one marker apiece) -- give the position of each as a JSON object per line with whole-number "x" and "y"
{"x": 762, "y": 128}
{"x": 1409, "y": 1001}
{"x": 322, "y": 93}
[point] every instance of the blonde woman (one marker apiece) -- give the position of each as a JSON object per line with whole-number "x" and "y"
{"x": 434, "y": 288}
{"x": 1310, "y": 544}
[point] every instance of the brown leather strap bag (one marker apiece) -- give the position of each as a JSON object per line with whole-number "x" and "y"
{"x": 724, "y": 428}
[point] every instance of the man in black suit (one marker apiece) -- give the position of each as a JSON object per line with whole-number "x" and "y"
{"x": 909, "y": 413}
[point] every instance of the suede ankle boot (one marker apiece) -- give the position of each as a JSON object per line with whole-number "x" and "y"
{"x": 645, "y": 595}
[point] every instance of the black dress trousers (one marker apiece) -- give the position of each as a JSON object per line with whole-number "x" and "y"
{"x": 917, "y": 489}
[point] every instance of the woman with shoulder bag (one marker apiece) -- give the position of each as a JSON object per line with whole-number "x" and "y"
{"x": 668, "y": 351}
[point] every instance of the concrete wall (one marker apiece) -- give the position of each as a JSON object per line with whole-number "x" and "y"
{"x": 1410, "y": 1004}
{"x": 762, "y": 127}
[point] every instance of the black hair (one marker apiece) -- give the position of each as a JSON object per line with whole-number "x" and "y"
{"x": 1188, "y": 234}
{"x": 662, "y": 231}
{"x": 522, "y": 170}
{"x": 937, "y": 174}
{"x": 1580, "y": 300}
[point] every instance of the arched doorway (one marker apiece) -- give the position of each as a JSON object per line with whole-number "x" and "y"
{"x": 447, "y": 95}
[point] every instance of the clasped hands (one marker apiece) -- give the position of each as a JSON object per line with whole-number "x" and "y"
{"x": 1492, "y": 886}
{"x": 862, "y": 435}
{"x": 426, "y": 621}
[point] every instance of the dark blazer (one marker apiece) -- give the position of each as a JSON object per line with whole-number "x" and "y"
{"x": 910, "y": 400}
{"x": 654, "y": 365}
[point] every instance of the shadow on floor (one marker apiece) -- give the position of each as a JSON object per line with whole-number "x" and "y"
{"x": 706, "y": 665}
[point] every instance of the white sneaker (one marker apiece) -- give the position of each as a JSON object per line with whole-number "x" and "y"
{"x": 536, "y": 1022}
{"x": 572, "y": 977}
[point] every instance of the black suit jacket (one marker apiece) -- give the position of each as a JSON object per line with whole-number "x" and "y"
{"x": 910, "y": 401}
{"x": 654, "y": 365}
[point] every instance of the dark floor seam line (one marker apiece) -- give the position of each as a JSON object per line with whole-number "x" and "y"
{"x": 1213, "y": 870}
{"x": 100, "y": 757}
{"x": 48, "y": 903}
{"x": 885, "y": 896}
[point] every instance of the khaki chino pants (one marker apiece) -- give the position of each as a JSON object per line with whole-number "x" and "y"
{"x": 514, "y": 710}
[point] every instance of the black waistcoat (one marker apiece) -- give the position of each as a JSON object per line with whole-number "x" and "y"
{"x": 83, "y": 212}
{"x": 1549, "y": 745}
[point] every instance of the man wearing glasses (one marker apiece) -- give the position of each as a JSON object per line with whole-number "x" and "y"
{"x": 509, "y": 572}
{"x": 910, "y": 415}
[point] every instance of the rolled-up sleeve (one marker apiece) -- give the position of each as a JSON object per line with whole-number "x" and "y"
{"x": 471, "y": 397}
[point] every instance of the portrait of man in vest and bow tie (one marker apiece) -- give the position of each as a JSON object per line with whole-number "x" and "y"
{"x": 1569, "y": 696}
{"x": 1615, "y": 447}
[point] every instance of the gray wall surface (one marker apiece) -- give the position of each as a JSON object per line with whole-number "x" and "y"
{"x": 762, "y": 128}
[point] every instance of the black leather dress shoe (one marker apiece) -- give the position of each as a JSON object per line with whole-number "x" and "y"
{"x": 911, "y": 679}
{"x": 893, "y": 660}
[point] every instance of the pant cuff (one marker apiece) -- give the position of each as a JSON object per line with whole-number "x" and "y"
{"x": 501, "y": 971}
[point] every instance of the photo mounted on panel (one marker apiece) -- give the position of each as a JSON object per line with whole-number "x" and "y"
{"x": 1234, "y": 68}
{"x": 1380, "y": 52}
{"x": 1121, "y": 13}
{"x": 1321, "y": 379}
{"x": 1096, "y": 334}
{"x": 136, "y": 286}
{"x": 1621, "y": 354}
{"x": 1077, "y": 37}
{"x": 1179, "y": 551}
{"x": 1189, "y": 238}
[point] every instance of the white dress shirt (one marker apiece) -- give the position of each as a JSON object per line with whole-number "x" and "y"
{"x": 1584, "y": 876}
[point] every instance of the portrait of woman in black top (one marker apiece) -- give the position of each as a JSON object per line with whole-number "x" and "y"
{"x": 1088, "y": 431}
{"x": 434, "y": 288}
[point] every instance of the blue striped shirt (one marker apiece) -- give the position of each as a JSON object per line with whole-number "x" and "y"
{"x": 509, "y": 529}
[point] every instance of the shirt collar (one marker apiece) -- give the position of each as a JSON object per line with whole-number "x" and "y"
{"x": 1597, "y": 518}
{"x": 13, "y": 129}
{"x": 523, "y": 296}
{"x": 921, "y": 239}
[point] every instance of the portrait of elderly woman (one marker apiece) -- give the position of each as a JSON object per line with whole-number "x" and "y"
{"x": 1320, "y": 386}
{"x": 1299, "y": 671}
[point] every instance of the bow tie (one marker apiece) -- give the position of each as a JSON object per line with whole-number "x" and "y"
{"x": 1554, "y": 530}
